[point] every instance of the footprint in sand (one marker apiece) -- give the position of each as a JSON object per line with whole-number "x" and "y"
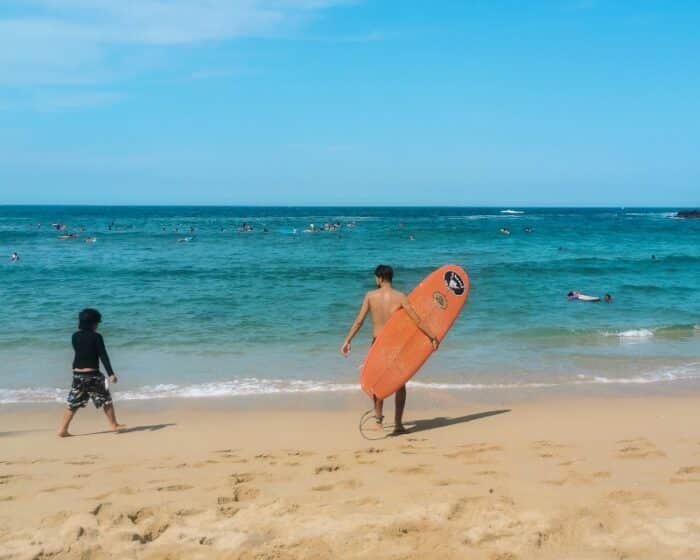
{"x": 419, "y": 469}
{"x": 245, "y": 493}
{"x": 639, "y": 448}
{"x": 404, "y": 529}
{"x": 265, "y": 456}
{"x": 686, "y": 474}
{"x": 6, "y": 498}
{"x": 473, "y": 453}
{"x": 548, "y": 449}
{"x": 299, "y": 453}
{"x": 344, "y": 484}
{"x": 174, "y": 488}
{"x": 367, "y": 501}
{"x": 328, "y": 468}
{"x": 241, "y": 478}
{"x": 187, "y": 512}
{"x": 362, "y": 455}
{"x": 221, "y": 500}
{"x": 369, "y": 451}
{"x": 227, "y": 453}
{"x": 451, "y": 482}
{"x": 411, "y": 449}
{"x": 573, "y": 477}
{"x": 492, "y": 474}
{"x": 152, "y": 531}
{"x": 645, "y": 500}
{"x": 569, "y": 462}
{"x": 59, "y": 488}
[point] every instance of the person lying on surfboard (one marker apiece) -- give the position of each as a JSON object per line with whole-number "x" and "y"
{"x": 380, "y": 304}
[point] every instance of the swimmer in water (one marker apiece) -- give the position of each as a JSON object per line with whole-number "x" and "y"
{"x": 411, "y": 237}
{"x": 607, "y": 298}
{"x": 14, "y": 257}
{"x": 504, "y": 231}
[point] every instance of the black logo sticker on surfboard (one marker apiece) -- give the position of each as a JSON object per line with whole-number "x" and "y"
{"x": 454, "y": 283}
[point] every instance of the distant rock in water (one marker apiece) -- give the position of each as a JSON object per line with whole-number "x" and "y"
{"x": 688, "y": 214}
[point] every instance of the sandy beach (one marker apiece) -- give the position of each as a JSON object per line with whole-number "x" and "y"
{"x": 562, "y": 477}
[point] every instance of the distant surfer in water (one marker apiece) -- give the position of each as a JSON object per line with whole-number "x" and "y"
{"x": 574, "y": 296}
{"x": 381, "y": 304}
{"x": 14, "y": 257}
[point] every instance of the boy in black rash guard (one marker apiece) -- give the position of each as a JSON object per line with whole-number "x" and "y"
{"x": 88, "y": 381}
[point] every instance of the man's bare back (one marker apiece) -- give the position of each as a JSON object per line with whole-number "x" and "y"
{"x": 383, "y": 303}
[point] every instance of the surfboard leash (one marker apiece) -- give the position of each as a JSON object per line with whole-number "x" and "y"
{"x": 363, "y": 421}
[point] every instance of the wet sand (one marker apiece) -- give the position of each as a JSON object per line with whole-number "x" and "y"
{"x": 561, "y": 477}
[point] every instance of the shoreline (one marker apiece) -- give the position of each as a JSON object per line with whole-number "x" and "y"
{"x": 421, "y": 396}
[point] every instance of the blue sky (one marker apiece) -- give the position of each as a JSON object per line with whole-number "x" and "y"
{"x": 580, "y": 102}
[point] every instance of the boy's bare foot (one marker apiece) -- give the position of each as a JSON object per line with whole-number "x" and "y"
{"x": 64, "y": 434}
{"x": 118, "y": 427}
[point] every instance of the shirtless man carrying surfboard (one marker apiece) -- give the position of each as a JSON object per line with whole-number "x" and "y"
{"x": 381, "y": 304}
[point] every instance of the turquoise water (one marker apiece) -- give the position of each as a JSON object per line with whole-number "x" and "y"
{"x": 246, "y": 313}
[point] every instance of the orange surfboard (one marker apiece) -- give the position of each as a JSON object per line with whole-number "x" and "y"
{"x": 401, "y": 348}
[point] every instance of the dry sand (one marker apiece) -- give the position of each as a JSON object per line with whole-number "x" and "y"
{"x": 574, "y": 478}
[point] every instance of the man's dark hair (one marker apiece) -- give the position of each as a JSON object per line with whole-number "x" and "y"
{"x": 88, "y": 319}
{"x": 384, "y": 272}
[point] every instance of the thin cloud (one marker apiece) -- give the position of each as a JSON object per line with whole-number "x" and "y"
{"x": 90, "y": 42}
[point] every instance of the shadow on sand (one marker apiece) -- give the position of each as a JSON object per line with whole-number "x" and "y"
{"x": 416, "y": 426}
{"x": 146, "y": 428}
{"x": 20, "y": 432}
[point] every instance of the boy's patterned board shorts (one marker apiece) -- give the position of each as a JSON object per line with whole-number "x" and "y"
{"x": 88, "y": 386}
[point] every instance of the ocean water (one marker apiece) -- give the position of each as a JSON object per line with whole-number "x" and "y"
{"x": 231, "y": 313}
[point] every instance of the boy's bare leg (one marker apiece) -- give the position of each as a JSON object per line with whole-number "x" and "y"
{"x": 112, "y": 417}
{"x": 67, "y": 417}
{"x": 400, "y": 405}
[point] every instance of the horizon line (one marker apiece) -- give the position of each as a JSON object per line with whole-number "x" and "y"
{"x": 445, "y": 206}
